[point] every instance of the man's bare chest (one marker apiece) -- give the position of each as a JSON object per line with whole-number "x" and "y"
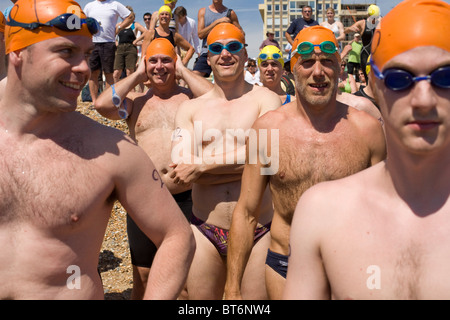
{"x": 306, "y": 160}
{"x": 49, "y": 184}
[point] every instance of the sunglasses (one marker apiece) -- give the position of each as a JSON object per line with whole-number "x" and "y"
{"x": 398, "y": 79}
{"x": 232, "y": 47}
{"x": 66, "y": 22}
{"x": 307, "y": 47}
{"x": 265, "y": 56}
{"x": 147, "y": 19}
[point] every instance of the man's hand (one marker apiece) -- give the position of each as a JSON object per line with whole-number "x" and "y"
{"x": 185, "y": 173}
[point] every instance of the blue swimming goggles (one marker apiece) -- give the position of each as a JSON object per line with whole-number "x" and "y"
{"x": 398, "y": 79}
{"x": 117, "y": 102}
{"x": 307, "y": 47}
{"x": 67, "y": 22}
{"x": 232, "y": 47}
{"x": 266, "y": 56}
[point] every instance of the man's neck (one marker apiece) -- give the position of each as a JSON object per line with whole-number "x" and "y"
{"x": 217, "y": 8}
{"x": 416, "y": 180}
{"x": 166, "y": 90}
{"x": 231, "y": 89}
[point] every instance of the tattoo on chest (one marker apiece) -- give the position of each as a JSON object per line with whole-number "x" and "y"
{"x": 157, "y": 177}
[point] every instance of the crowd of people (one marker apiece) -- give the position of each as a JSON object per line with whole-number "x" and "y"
{"x": 323, "y": 179}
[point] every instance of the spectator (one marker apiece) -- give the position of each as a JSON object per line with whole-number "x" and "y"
{"x": 366, "y": 28}
{"x": 127, "y": 52}
{"x": 107, "y": 13}
{"x": 164, "y": 31}
{"x": 354, "y": 56}
{"x": 252, "y": 73}
{"x": 299, "y": 24}
{"x": 269, "y": 41}
{"x": 187, "y": 28}
{"x": 336, "y": 26}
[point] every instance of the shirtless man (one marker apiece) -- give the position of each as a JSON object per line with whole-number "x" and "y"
{"x": 151, "y": 123}
{"x": 320, "y": 139}
{"x": 208, "y": 125}
{"x": 209, "y": 17}
{"x": 62, "y": 172}
{"x": 383, "y": 233}
{"x": 271, "y": 64}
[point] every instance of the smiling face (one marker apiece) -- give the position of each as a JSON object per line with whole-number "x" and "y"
{"x": 417, "y": 118}
{"x": 65, "y": 61}
{"x": 226, "y": 65}
{"x": 161, "y": 69}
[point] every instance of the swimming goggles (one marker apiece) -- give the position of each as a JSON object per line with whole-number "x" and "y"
{"x": 117, "y": 101}
{"x": 307, "y": 47}
{"x": 398, "y": 79}
{"x": 232, "y": 47}
{"x": 266, "y": 56}
{"x": 67, "y": 22}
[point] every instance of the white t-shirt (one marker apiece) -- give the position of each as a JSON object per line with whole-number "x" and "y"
{"x": 252, "y": 79}
{"x": 106, "y": 13}
{"x": 189, "y": 32}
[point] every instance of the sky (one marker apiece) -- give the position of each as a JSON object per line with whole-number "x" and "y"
{"x": 247, "y": 11}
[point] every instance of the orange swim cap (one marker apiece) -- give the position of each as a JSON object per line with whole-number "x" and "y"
{"x": 161, "y": 46}
{"x": 225, "y": 31}
{"x": 315, "y": 35}
{"x": 2, "y": 22}
{"x": 29, "y": 11}
{"x": 411, "y": 24}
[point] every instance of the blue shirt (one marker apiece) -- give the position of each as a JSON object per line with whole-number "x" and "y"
{"x": 298, "y": 25}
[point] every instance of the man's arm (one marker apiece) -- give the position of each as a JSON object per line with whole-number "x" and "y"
{"x": 244, "y": 221}
{"x": 204, "y": 31}
{"x": 104, "y": 104}
{"x": 183, "y": 43}
{"x": 152, "y": 207}
{"x": 125, "y": 23}
{"x": 357, "y": 27}
{"x": 306, "y": 276}
{"x": 188, "y": 164}
{"x": 197, "y": 84}
{"x": 290, "y": 30}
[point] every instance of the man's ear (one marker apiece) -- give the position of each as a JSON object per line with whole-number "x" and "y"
{"x": 15, "y": 58}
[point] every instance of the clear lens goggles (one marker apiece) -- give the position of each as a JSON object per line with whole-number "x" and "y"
{"x": 67, "y": 22}
{"x": 399, "y": 79}
{"x": 307, "y": 47}
{"x": 232, "y": 47}
{"x": 117, "y": 102}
